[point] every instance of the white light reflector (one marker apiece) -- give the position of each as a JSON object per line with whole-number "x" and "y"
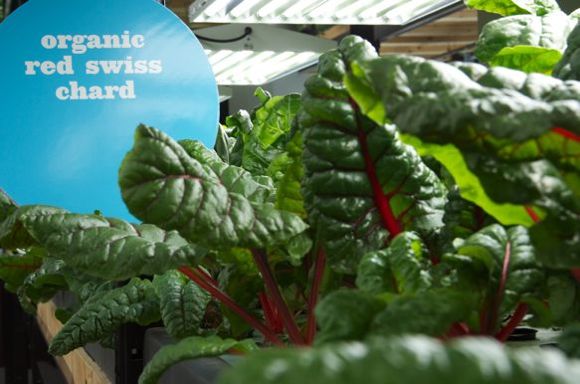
{"x": 255, "y": 67}
{"x": 349, "y": 12}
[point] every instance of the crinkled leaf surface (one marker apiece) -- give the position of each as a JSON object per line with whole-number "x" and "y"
{"x": 506, "y": 113}
{"x": 362, "y": 184}
{"x": 346, "y": 315}
{"x": 162, "y": 184}
{"x": 188, "y": 349}
{"x": 404, "y": 267}
{"x": 288, "y": 172}
{"x": 13, "y": 233}
{"x": 42, "y": 284}
{"x": 548, "y": 31}
{"x": 263, "y": 134}
{"x": 405, "y": 360}
{"x": 135, "y": 302}
{"x": 183, "y": 304}
{"x": 257, "y": 189}
{"x": 430, "y": 313}
{"x": 105, "y": 247}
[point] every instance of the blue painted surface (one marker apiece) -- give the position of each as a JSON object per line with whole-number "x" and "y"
{"x": 67, "y": 152}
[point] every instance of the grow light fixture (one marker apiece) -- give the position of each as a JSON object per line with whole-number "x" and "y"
{"x": 349, "y": 12}
{"x": 264, "y": 55}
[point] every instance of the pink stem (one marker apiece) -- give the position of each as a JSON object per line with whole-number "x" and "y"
{"x": 199, "y": 278}
{"x": 515, "y": 320}
{"x": 314, "y": 292}
{"x": 501, "y": 288}
{"x": 272, "y": 286}
{"x": 381, "y": 200}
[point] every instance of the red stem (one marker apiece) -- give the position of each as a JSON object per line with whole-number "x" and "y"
{"x": 515, "y": 320}
{"x": 272, "y": 316}
{"x": 319, "y": 268}
{"x": 200, "y": 279}
{"x": 501, "y": 288}
{"x": 533, "y": 215}
{"x": 576, "y": 273}
{"x": 565, "y": 133}
{"x": 25, "y": 267}
{"x": 272, "y": 286}
{"x": 381, "y": 200}
{"x": 457, "y": 330}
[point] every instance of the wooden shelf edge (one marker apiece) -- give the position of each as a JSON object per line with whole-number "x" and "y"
{"x": 77, "y": 367}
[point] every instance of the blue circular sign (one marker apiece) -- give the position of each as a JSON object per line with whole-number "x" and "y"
{"x": 77, "y": 78}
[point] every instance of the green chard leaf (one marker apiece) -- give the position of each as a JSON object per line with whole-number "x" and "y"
{"x": 527, "y": 58}
{"x": 188, "y": 349}
{"x": 525, "y": 42}
{"x": 504, "y": 113}
{"x": 362, "y": 185}
{"x": 162, "y": 184}
{"x": 404, "y": 360}
{"x": 105, "y": 247}
{"x": 502, "y": 265}
{"x": 569, "y": 67}
{"x": 135, "y": 302}
{"x": 183, "y": 304}
{"x": 514, "y": 7}
{"x": 516, "y": 137}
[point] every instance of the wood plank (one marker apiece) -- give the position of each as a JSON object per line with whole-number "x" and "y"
{"x": 439, "y": 47}
{"x": 450, "y": 33}
{"x": 77, "y": 367}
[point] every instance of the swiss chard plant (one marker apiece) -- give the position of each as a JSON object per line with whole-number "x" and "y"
{"x": 395, "y": 196}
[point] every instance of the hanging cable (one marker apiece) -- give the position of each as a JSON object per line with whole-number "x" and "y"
{"x": 247, "y": 32}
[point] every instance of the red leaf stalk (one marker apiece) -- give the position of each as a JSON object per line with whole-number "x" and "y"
{"x": 515, "y": 320}
{"x": 261, "y": 261}
{"x": 319, "y": 268}
{"x": 200, "y": 279}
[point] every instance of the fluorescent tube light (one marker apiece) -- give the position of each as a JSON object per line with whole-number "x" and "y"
{"x": 266, "y": 54}
{"x": 349, "y": 12}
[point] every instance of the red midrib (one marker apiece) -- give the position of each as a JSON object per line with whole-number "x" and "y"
{"x": 25, "y": 267}
{"x": 381, "y": 200}
{"x": 567, "y": 134}
{"x": 501, "y": 287}
{"x": 533, "y": 214}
